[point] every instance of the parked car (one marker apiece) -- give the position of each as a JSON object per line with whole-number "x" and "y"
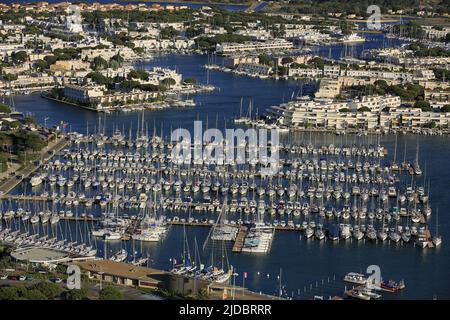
{"x": 3, "y": 277}
{"x": 57, "y": 280}
{"x": 22, "y": 278}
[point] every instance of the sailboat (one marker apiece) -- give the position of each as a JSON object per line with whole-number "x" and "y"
{"x": 437, "y": 239}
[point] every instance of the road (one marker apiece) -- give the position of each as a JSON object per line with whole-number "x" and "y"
{"x": 46, "y": 154}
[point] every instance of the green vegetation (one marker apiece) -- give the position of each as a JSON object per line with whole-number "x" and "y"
{"x": 9, "y": 77}
{"x": 41, "y": 291}
{"x": 49, "y": 289}
{"x": 282, "y": 71}
{"x": 62, "y": 54}
{"x": 318, "y": 62}
{"x": 93, "y": 18}
{"x": 424, "y": 105}
{"x": 346, "y": 28}
{"x": 169, "y": 33}
{"x": 110, "y": 293}
{"x": 76, "y": 294}
{"x": 190, "y": 80}
{"x": 19, "y": 57}
{"x": 41, "y": 65}
{"x": 287, "y": 60}
{"x": 202, "y": 294}
{"x": 446, "y": 108}
{"x": 359, "y": 7}
{"x": 422, "y": 50}
{"x": 265, "y": 59}
{"x": 441, "y": 74}
{"x": 99, "y": 78}
{"x": 364, "y": 109}
{"x": 3, "y": 163}
{"x": 4, "y": 108}
{"x": 167, "y": 82}
{"x": 21, "y": 140}
{"x": 410, "y": 92}
{"x": 207, "y": 43}
{"x": 138, "y": 74}
{"x": 122, "y": 39}
{"x": 411, "y": 30}
{"x": 99, "y": 64}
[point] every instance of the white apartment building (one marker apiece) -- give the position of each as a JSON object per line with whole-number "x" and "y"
{"x": 158, "y": 74}
{"x": 436, "y": 33}
{"x": 305, "y": 72}
{"x": 332, "y": 114}
{"x": 83, "y": 94}
{"x": 230, "y": 48}
{"x": 108, "y": 53}
{"x": 375, "y": 103}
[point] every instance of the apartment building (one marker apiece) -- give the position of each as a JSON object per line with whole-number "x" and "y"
{"x": 108, "y": 53}
{"x": 333, "y": 114}
{"x": 230, "y": 48}
{"x": 83, "y": 94}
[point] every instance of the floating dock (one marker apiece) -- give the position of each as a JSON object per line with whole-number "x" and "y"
{"x": 240, "y": 238}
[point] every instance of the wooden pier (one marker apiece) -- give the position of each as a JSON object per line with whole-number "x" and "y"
{"x": 240, "y": 238}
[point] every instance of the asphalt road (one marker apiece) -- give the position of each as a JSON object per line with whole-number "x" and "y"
{"x": 46, "y": 154}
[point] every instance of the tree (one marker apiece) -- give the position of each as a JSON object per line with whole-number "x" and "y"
{"x": 19, "y": 57}
{"x": 168, "y": 33}
{"x": 446, "y": 108}
{"x": 265, "y": 59}
{"x": 287, "y": 60}
{"x": 346, "y": 27}
{"x": 99, "y": 63}
{"x": 48, "y": 289}
{"x": 29, "y": 120}
{"x": 41, "y": 65}
{"x": 99, "y": 78}
{"x": 138, "y": 74}
{"x": 8, "y": 293}
{"x": 190, "y": 80}
{"x": 110, "y": 293}
{"x": 10, "y": 77}
{"x": 202, "y": 294}
{"x": 282, "y": 71}
{"x": 35, "y": 294}
{"x": 4, "y": 108}
{"x": 50, "y": 59}
{"x": 364, "y": 109}
{"x": 169, "y": 82}
{"x": 76, "y": 294}
{"x": 424, "y": 105}
{"x": 130, "y": 84}
{"x": 318, "y": 62}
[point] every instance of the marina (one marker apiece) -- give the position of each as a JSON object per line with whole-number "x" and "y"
{"x": 337, "y": 202}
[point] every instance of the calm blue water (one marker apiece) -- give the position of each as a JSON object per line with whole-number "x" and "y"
{"x": 303, "y": 263}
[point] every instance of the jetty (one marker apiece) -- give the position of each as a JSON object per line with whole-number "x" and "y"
{"x": 240, "y": 238}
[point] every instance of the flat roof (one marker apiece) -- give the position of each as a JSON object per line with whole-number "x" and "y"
{"x": 39, "y": 255}
{"x": 120, "y": 269}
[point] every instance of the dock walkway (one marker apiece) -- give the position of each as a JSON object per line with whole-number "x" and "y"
{"x": 240, "y": 238}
